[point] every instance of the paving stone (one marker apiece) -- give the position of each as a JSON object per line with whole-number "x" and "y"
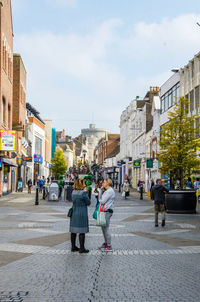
{"x": 141, "y": 267}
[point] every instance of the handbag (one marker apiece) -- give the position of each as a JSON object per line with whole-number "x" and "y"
{"x": 70, "y": 212}
{"x": 95, "y": 211}
{"x": 123, "y": 194}
{"x": 101, "y": 216}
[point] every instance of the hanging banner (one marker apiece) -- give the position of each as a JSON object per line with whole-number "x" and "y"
{"x": 7, "y": 140}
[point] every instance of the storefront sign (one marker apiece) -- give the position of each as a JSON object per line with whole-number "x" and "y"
{"x": 38, "y": 159}
{"x": 136, "y": 164}
{"x": 149, "y": 163}
{"x": 7, "y": 140}
{"x": 27, "y": 159}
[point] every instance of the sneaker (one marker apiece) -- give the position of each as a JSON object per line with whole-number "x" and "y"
{"x": 108, "y": 249}
{"x": 156, "y": 225}
{"x": 103, "y": 246}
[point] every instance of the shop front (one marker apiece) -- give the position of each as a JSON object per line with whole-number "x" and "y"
{"x": 8, "y": 173}
{"x": 38, "y": 171}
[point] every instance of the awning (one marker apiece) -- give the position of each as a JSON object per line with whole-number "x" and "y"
{"x": 8, "y": 162}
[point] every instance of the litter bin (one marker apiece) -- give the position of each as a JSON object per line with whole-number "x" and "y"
{"x": 53, "y": 192}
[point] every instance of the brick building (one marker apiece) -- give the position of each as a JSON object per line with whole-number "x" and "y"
{"x": 7, "y": 148}
{"x": 106, "y": 146}
{"x": 19, "y": 113}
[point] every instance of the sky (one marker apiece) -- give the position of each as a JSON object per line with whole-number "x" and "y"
{"x": 86, "y": 60}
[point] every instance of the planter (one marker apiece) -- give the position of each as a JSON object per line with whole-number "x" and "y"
{"x": 181, "y": 201}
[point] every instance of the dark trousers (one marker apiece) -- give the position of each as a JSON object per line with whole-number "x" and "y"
{"x": 60, "y": 192}
{"x": 81, "y": 241}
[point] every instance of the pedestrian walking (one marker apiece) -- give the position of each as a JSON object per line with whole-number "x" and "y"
{"x": 158, "y": 194}
{"x": 126, "y": 189}
{"x": 152, "y": 184}
{"x": 107, "y": 198}
{"x": 29, "y": 185}
{"x": 60, "y": 184}
{"x": 79, "y": 219}
{"x": 141, "y": 188}
{"x": 189, "y": 184}
{"x": 41, "y": 183}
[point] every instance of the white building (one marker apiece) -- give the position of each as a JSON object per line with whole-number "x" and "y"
{"x": 91, "y": 136}
{"x": 162, "y": 105}
{"x": 36, "y": 132}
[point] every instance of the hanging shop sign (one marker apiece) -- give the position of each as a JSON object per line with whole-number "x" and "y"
{"x": 27, "y": 159}
{"x": 149, "y": 163}
{"x": 7, "y": 140}
{"x": 136, "y": 164}
{"x": 38, "y": 159}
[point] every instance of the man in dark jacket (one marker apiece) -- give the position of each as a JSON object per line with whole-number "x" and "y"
{"x": 158, "y": 195}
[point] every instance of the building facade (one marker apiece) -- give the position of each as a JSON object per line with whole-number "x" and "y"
{"x": 8, "y": 171}
{"x": 91, "y": 136}
{"x": 36, "y": 129}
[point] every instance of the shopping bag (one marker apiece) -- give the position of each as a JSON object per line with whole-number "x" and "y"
{"x": 123, "y": 194}
{"x": 96, "y": 210}
{"x": 101, "y": 219}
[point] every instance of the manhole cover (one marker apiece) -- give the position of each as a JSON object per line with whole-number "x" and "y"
{"x": 13, "y": 296}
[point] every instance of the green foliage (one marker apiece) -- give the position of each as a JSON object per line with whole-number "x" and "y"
{"x": 178, "y": 143}
{"x": 59, "y": 165}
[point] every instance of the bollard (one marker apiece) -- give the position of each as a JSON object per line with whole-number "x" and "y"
{"x": 37, "y": 197}
{"x": 141, "y": 192}
{"x": 43, "y": 195}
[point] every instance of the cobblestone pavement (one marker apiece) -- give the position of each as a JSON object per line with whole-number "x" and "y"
{"x": 147, "y": 264}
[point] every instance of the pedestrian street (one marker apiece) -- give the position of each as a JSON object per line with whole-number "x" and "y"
{"x": 147, "y": 264}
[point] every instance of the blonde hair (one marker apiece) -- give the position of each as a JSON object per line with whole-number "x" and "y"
{"x": 78, "y": 185}
{"x": 109, "y": 182}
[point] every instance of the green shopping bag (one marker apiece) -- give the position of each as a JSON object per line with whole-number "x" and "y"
{"x": 96, "y": 210}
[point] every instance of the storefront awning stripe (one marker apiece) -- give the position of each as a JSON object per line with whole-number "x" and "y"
{"x": 8, "y": 162}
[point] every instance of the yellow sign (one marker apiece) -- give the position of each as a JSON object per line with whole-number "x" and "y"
{"x": 7, "y": 140}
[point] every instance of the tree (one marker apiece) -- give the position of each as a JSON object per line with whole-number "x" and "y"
{"x": 59, "y": 165}
{"x": 179, "y": 143}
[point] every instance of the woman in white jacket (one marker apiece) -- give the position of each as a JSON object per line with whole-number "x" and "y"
{"x": 107, "y": 199}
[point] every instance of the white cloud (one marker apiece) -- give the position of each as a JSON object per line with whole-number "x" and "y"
{"x": 70, "y": 76}
{"x": 176, "y": 36}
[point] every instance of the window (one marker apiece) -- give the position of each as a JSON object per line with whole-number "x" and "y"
{"x": 170, "y": 98}
{"x": 197, "y": 101}
{"x": 162, "y": 105}
{"x": 9, "y": 117}
{"x": 187, "y": 97}
{"x": 38, "y": 146}
{"x": 4, "y": 110}
{"x": 197, "y": 127}
{"x": 166, "y": 101}
{"x": 192, "y": 100}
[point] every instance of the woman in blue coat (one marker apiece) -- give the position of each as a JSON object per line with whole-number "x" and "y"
{"x": 79, "y": 220}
